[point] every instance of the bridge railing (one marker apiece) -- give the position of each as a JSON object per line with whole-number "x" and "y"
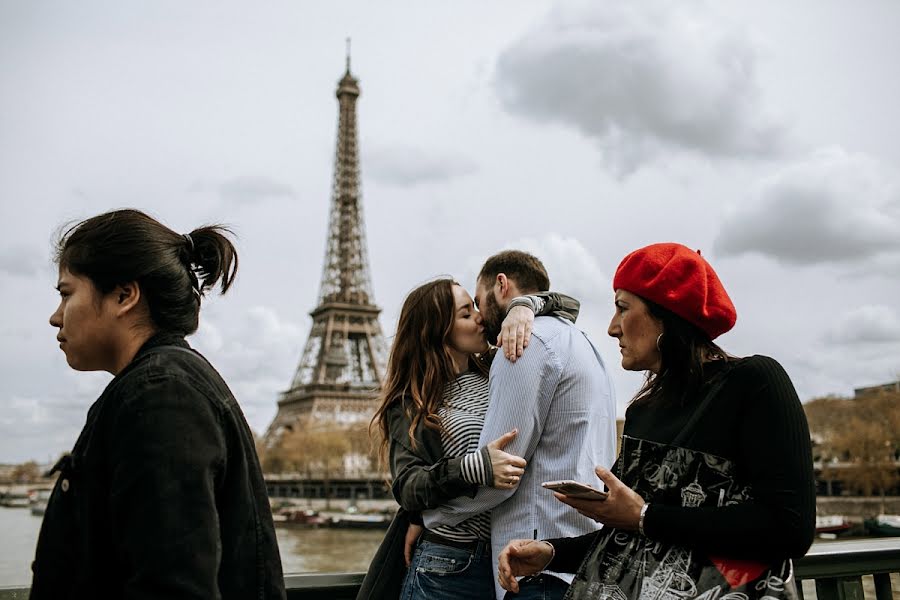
{"x": 837, "y": 568}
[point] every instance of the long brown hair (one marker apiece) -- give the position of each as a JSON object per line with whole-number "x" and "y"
{"x": 420, "y": 364}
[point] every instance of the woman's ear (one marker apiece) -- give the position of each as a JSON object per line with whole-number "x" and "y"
{"x": 128, "y": 297}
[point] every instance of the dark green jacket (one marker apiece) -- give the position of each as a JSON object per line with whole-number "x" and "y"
{"x": 422, "y": 478}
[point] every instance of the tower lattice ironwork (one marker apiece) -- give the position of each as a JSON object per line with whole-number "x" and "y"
{"x": 343, "y": 362}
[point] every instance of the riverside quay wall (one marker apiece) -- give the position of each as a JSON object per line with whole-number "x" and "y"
{"x": 857, "y": 507}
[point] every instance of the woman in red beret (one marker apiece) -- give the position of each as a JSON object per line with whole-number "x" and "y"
{"x": 713, "y": 491}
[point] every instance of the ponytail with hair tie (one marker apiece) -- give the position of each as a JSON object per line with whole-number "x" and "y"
{"x": 173, "y": 270}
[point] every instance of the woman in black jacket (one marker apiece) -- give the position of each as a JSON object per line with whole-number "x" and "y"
{"x": 162, "y": 495}
{"x": 432, "y": 410}
{"x": 713, "y": 491}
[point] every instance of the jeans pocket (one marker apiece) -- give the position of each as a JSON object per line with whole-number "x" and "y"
{"x": 440, "y": 572}
{"x": 436, "y": 559}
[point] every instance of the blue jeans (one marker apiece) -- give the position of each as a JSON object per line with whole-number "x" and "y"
{"x": 441, "y": 572}
{"x": 539, "y": 587}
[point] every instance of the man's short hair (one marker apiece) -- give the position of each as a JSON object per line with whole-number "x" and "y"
{"x": 526, "y": 270}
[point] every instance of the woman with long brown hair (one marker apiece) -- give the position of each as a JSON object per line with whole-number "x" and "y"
{"x": 433, "y": 403}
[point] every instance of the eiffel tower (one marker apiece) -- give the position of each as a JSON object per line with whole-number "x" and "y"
{"x": 343, "y": 362}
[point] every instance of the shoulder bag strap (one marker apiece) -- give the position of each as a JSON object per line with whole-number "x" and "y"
{"x": 715, "y": 385}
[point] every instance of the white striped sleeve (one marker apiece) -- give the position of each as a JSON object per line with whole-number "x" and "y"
{"x": 476, "y": 467}
{"x": 520, "y": 399}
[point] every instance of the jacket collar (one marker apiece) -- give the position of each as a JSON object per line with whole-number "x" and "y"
{"x": 162, "y": 338}
{"x": 158, "y": 339}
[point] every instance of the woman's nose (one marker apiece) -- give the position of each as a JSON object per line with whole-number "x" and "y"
{"x": 56, "y": 319}
{"x": 614, "y": 330}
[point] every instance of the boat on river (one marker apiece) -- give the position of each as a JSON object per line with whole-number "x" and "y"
{"x": 299, "y": 517}
{"x": 360, "y": 521}
{"x": 883, "y": 526}
{"x": 832, "y": 524}
{"x": 14, "y": 500}
{"x": 38, "y": 500}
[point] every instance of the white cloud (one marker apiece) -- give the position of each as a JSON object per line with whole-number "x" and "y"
{"x": 209, "y": 335}
{"x": 54, "y": 418}
{"x": 641, "y": 78}
{"x": 256, "y": 353}
{"x": 838, "y": 369}
{"x": 25, "y": 412}
{"x": 831, "y": 206}
{"x": 408, "y": 166}
{"x": 246, "y": 190}
{"x": 870, "y": 324}
{"x": 22, "y": 261}
{"x": 572, "y": 268}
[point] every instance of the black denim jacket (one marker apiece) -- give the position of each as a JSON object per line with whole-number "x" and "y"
{"x": 162, "y": 495}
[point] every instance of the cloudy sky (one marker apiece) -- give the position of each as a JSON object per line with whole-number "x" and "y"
{"x": 765, "y": 134}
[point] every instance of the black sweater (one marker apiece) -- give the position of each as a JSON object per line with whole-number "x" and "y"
{"x": 757, "y": 421}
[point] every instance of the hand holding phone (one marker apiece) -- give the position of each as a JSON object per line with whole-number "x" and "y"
{"x": 575, "y": 489}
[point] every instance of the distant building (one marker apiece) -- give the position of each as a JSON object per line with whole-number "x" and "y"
{"x": 877, "y": 389}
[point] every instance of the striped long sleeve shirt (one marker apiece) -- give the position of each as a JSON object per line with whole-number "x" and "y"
{"x": 559, "y": 397}
{"x": 462, "y": 411}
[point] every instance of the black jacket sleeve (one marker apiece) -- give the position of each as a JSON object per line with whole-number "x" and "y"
{"x": 166, "y": 453}
{"x": 569, "y": 552}
{"x": 776, "y": 460}
{"x": 422, "y": 479}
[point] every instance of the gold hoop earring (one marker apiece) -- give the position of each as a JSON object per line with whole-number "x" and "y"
{"x": 658, "y": 338}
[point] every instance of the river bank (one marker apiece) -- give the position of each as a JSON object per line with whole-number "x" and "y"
{"x": 302, "y": 550}
{"x": 316, "y": 550}
{"x": 857, "y": 508}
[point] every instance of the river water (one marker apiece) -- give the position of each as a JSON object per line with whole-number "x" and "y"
{"x": 302, "y": 550}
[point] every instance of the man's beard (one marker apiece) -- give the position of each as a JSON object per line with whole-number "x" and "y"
{"x": 492, "y": 317}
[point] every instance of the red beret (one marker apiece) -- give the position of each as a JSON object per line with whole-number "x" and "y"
{"x": 679, "y": 279}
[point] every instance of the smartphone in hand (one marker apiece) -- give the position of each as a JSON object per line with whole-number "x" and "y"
{"x": 575, "y": 489}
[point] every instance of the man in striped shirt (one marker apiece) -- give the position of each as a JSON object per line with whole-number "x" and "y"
{"x": 560, "y": 399}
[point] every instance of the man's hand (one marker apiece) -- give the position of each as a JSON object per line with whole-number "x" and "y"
{"x": 519, "y": 558}
{"x": 508, "y": 468}
{"x": 621, "y": 509}
{"x": 412, "y": 534}
{"x": 515, "y": 332}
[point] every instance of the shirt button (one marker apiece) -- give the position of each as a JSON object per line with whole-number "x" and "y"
{"x": 64, "y": 485}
